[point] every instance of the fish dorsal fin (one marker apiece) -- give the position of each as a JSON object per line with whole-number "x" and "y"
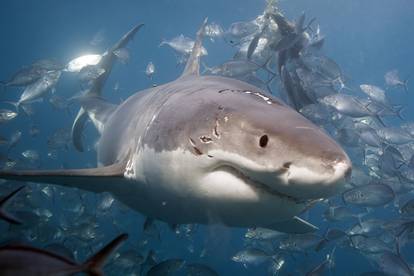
{"x": 98, "y": 110}
{"x": 4, "y": 215}
{"x": 95, "y": 264}
{"x": 102, "y": 179}
{"x": 193, "y": 63}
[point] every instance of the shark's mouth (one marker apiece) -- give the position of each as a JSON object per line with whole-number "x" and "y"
{"x": 257, "y": 184}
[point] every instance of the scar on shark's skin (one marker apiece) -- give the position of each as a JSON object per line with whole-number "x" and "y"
{"x": 206, "y": 139}
{"x": 258, "y": 94}
{"x": 196, "y": 150}
{"x": 215, "y": 130}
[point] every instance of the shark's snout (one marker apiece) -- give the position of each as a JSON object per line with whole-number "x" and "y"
{"x": 316, "y": 180}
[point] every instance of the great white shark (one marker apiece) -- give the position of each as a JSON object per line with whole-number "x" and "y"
{"x": 206, "y": 149}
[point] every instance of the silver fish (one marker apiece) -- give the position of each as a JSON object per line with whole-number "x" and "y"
{"x": 251, "y": 256}
{"x": 166, "y": 267}
{"x": 375, "y": 93}
{"x": 262, "y": 234}
{"x": 90, "y": 73}
{"x": 240, "y": 30}
{"x": 58, "y": 102}
{"x": 122, "y": 54}
{"x": 371, "y": 195}
{"x": 182, "y": 45}
{"x": 408, "y": 208}
{"x": 392, "y": 264}
{"x": 392, "y": 78}
{"x": 7, "y": 115}
{"x": 25, "y": 76}
{"x": 235, "y": 68}
{"x": 150, "y": 70}
{"x": 213, "y": 31}
{"x": 48, "y": 65}
{"x": 347, "y": 105}
{"x": 368, "y": 226}
{"x": 76, "y": 64}
{"x": 338, "y": 213}
{"x": 394, "y": 135}
{"x": 300, "y": 242}
{"x": 368, "y": 244}
{"x": 14, "y": 139}
{"x": 39, "y": 88}
{"x": 31, "y": 155}
{"x": 325, "y": 265}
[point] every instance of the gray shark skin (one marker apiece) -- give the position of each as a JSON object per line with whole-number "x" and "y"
{"x": 208, "y": 149}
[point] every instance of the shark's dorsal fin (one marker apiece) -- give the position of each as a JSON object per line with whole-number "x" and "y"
{"x": 106, "y": 63}
{"x": 193, "y": 63}
{"x": 95, "y": 180}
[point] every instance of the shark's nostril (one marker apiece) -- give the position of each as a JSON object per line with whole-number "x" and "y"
{"x": 287, "y": 165}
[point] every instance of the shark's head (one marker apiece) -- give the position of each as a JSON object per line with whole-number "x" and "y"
{"x": 240, "y": 137}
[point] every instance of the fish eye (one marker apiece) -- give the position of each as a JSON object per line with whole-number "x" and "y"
{"x": 263, "y": 141}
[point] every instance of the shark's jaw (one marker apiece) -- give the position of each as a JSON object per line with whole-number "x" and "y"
{"x": 214, "y": 191}
{"x": 256, "y": 184}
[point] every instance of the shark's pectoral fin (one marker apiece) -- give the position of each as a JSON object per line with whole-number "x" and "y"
{"x": 295, "y": 225}
{"x": 95, "y": 180}
{"x": 98, "y": 110}
{"x": 95, "y": 108}
{"x": 77, "y": 129}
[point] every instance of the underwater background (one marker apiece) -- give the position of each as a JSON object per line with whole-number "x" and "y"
{"x": 366, "y": 39}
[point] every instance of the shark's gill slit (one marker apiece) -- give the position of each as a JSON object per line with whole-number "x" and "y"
{"x": 197, "y": 151}
{"x": 215, "y": 130}
{"x": 263, "y": 141}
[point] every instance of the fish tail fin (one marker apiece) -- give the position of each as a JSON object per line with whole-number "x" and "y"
{"x": 321, "y": 244}
{"x": 405, "y": 85}
{"x": 206, "y": 69}
{"x": 163, "y": 41}
{"x": 380, "y": 120}
{"x": 330, "y": 259}
{"x": 399, "y": 110}
{"x": 15, "y": 104}
{"x": 266, "y": 67}
{"x": 93, "y": 266}
{"x": 5, "y": 215}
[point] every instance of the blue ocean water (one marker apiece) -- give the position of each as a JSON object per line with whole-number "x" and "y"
{"x": 366, "y": 39}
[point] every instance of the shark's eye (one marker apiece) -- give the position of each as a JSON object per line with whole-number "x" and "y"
{"x": 263, "y": 141}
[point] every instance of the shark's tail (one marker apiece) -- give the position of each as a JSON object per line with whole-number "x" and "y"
{"x": 95, "y": 90}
